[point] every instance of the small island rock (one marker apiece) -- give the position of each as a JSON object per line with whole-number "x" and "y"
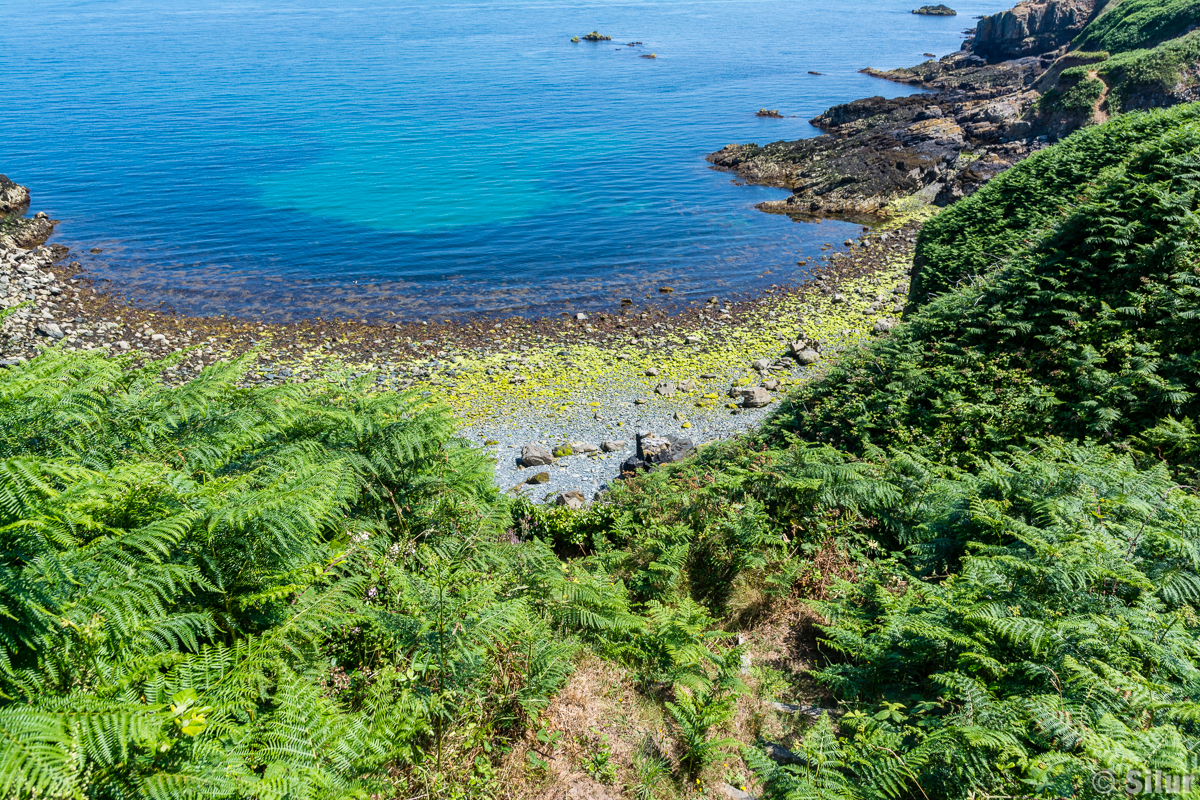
{"x": 936, "y": 11}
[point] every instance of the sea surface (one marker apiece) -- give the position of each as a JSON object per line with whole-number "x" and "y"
{"x": 286, "y": 159}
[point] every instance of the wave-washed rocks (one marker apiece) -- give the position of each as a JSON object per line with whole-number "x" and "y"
{"x": 979, "y": 120}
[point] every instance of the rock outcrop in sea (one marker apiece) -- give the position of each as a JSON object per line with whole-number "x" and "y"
{"x": 936, "y": 11}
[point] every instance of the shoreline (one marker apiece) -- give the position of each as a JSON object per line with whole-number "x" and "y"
{"x": 518, "y": 381}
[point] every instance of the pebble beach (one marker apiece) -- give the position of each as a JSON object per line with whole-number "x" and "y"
{"x": 580, "y": 380}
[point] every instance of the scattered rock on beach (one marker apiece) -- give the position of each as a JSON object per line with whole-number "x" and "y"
{"x": 807, "y": 356}
{"x": 49, "y": 329}
{"x": 612, "y": 446}
{"x": 665, "y": 389}
{"x": 654, "y": 450}
{"x": 572, "y": 499}
{"x": 534, "y": 455}
{"x": 884, "y": 325}
{"x": 539, "y": 478}
{"x": 752, "y": 396}
{"x": 582, "y": 447}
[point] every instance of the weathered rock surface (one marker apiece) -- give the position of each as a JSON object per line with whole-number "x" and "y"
{"x": 572, "y": 499}
{"x": 935, "y": 148}
{"x": 655, "y": 450}
{"x": 752, "y": 396}
{"x": 1031, "y": 28}
{"x": 14, "y": 198}
{"x": 534, "y": 455}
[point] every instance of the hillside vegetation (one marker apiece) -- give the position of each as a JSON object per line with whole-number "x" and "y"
{"x": 1136, "y": 24}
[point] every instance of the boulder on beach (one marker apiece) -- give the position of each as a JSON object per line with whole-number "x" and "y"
{"x": 655, "y": 450}
{"x": 579, "y": 448}
{"x": 612, "y": 446}
{"x": 807, "y": 356}
{"x": 752, "y": 396}
{"x": 534, "y": 455}
{"x": 572, "y": 499}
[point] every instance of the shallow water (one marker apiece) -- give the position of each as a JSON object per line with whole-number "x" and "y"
{"x": 430, "y": 159}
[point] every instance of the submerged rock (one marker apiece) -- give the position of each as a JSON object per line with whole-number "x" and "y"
{"x": 596, "y": 36}
{"x": 769, "y": 112}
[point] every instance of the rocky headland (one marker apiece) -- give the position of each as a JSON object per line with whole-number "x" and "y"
{"x": 1017, "y": 84}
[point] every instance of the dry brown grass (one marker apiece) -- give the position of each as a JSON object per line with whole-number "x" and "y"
{"x": 599, "y": 704}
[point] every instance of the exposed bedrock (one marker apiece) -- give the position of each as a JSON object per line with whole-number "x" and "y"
{"x": 982, "y": 116}
{"x": 1031, "y": 28}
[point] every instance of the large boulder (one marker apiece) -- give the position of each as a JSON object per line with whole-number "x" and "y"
{"x": 654, "y": 450}
{"x": 534, "y": 455}
{"x": 14, "y": 198}
{"x": 1031, "y": 28}
{"x": 752, "y": 396}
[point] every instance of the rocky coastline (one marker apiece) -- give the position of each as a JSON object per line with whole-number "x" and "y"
{"x": 982, "y": 115}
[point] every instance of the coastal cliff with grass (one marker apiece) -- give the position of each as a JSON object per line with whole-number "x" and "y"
{"x": 959, "y": 557}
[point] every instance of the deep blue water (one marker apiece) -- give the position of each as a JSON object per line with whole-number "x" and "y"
{"x": 295, "y": 158}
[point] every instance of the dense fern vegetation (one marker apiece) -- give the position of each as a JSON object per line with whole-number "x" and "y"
{"x": 1007, "y": 483}
{"x": 1137, "y": 24}
{"x": 982, "y": 531}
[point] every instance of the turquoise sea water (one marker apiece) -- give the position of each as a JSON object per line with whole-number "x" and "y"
{"x": 300, "y": 158}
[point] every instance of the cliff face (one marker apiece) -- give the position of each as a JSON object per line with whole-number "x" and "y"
{"x": 1032, "y": 28}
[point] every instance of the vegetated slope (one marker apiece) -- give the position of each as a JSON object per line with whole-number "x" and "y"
{"x": 1135, "y": 24}
{"x": 976, "y": 236}
{"x": 219, "y": 592}
{"x": 1005, "y": 484}
{"x": 307, "y": 591}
